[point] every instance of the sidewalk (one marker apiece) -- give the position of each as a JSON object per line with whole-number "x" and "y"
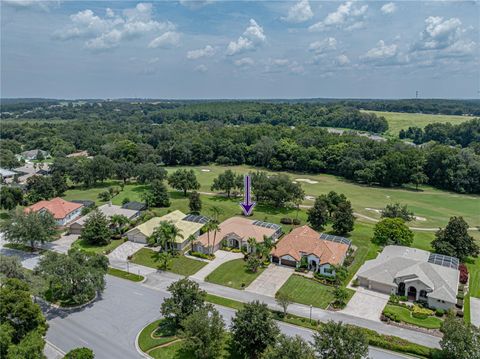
{"x": 161, "y": 280}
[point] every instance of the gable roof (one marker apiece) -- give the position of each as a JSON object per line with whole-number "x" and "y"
{"x": 241, "y": 227}
{"x": 108, "y": 210}
{"x": 403, "y": 264}
{"x": 304, "y": 241}
{"x": 57, "y": 206}
{"x": 186, "y": 228}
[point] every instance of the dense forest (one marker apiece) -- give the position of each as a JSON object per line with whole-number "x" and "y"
{"x": 177, "y": 134}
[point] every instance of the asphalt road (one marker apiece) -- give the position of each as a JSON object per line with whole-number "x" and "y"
{"x": 110, "y": 325}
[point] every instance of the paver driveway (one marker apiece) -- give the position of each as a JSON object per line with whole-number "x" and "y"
{"x": 366, "y": 304}
{"x": 220, "y": 258}
{"x": 271, "y": 280}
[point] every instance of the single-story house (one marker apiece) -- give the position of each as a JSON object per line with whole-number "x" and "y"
{"x": 415, "y": 273}
{"x": 235, "y": 232}
{"x": 187, "y": 224}
{"x": 137, "y": 206}
{"x": 108, "y": 210}
{"x": 321, "y": 251}
{"x": 28, "y": 170}
{"x": 5, "y": 174}
{"x": 33, "y": 154}
{"x": 63, "y": 211}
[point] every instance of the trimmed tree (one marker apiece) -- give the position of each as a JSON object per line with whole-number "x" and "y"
{"x": 204, "y": 333}
{"x": 396, "y": 210}
{"x": 183, "y": 180}
{"x": 289, "y": 347}
{"x": 460, "y": 340}
{"x": 283, "y": 300}
{"x": 340, "y": 341}
{"x": 253, "y": 329}
{"x": 29, "y": 228}
{"x": 343, "y": 218}
{"x": 227, "y": 181}
{"x": 96, "y": 230}
{"x": 455, "y": 241}
{"x": 392, "y": 231}
{"x": 194, "y": 202}
{"x": 318, "y": 215}
{"x": 156, "y": 195}
{"x": 80, "y": 353}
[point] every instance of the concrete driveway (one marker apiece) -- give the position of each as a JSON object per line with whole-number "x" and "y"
{"x": 366, "y": 304}
{"x": 63, "y": 244}
{"x": 123, "y": 251}
{"x": 475, "y": 311}
{"x": 271, "y": 280}
{"x": 220, "y": 258}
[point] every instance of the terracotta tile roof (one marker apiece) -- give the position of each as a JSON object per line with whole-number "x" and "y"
{"x": 304, "y": 240}
{"x": 58, "y": 207}
{"x": 242, "y": 227}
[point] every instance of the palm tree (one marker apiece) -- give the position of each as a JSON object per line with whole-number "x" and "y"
{"x": 208, "y": 227}
{"x": 252, "y": 243}
{"x": 215, "y": 228}
{"x": 118, "y": 221}
{"x": 165, "y": 234}
{"x": 216, "y": 211}
{"x": 191, "y": 239}
{"x": 267, "y": 246}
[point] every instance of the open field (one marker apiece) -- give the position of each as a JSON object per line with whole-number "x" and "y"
{"x": 399, "y": 120}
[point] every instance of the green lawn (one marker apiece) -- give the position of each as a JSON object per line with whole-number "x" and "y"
{"x": 180, "y": 265}
{"x": 405, "y": 316}
{"x": 151, "y": 336}
{"x": 105, "y": 249}
{"x": 400, "y": 120}
{"x": 307, "y": 291}
{"x": 125, "y": 275}
{"x": 233, "y": 274}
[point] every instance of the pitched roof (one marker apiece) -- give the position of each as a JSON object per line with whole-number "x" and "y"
{"x": 242, "y": 227}
{"x": 109, "y": 210}
{"x": 403, "y": 264}
{"x": 58, "y": 207}
{"x": 186, "y": 228}
{"x": 304, "y": 241}
{"x": 137, "y": 206}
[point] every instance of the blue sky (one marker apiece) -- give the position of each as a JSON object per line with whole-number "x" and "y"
{"x": 240, "y": 49}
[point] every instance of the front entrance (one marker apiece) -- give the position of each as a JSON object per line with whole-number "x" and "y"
{"x": 313, "y": 265}
{"x": 412, "y": 293}
{"x": 401, "y": 289}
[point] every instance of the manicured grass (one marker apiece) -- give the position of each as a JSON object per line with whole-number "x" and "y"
{"x": 400, "y": 120}
{"x": 226, "y": 302}
{"x": 307, "y": 291}
{"x": 180, "y": 265}
{"x": 125, "y": 275}
{"x": 436, "y": 206}
{"x": 151, "y": 336}
{"x": 105, "y": 249}
{"x": 405, "y": 316}
{"x": 233, "y": 274}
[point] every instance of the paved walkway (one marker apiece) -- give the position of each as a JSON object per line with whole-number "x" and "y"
{"x": 271, "y": 280}
{"x": 123, "y": 251}
{"x": 475, "y": 311}
{"x": 366, "y": 304}
{"x": 220, "y": 258}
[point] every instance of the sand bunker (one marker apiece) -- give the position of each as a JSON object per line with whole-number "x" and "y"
{"x": 379, "y": 211}
{"x": 309, "y": 198}
{"x": 306, "y": 180}
{"x": 204, "y": 170}
{"x": 421, "y": 219}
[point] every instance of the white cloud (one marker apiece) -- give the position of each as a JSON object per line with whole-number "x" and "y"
{"x": 27, "y": 4}
{"x": 201, "y": 68}
{"x": 328, "y": 44}
{"x": 253, "y": 36}
{"x": 101, "y": 33}
{"x": 300, "y": 12}
{"x": 347, "y": 16}
{"x": 207, "y": 51}
{"x": 382, "y": 51}
{"x": 195, "y": 4}
{"x": 343, "y": 60}
{"x": 389, "y": 8}
{"x": 168, "y": 39}
{"x": 283, "y": 65}
{"x": 244, "y": 61}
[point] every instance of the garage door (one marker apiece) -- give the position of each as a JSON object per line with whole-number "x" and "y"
{"x": 274, "y": 259}
{"x": 289, "y": 263}
{"x": 137, "y": 238}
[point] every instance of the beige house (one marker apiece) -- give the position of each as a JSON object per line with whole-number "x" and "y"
{"x": 187, "y": 224}
{"x": 108, "y": 210}
{"x": 415, "y": 273}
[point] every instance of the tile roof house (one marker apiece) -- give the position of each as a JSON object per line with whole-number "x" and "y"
{"x": 235, "y": 232}
{"x": 108, "y": 210}
{"x": 4, "y": 173}
{"x": 183, "y": 222}
{"x": 415, "y": 273}
{"x": 321, "y": 254}
{"x": 63, "y": 211}
{"x": 33, "y": 154}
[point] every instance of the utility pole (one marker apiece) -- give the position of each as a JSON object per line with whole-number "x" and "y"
{"x": 416, "y": 95}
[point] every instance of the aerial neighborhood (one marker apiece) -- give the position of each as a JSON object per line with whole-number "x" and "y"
{"x": 199, "y": 179}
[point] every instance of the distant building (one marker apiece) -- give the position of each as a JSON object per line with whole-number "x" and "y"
{"x": 415, "y": 273}
{"x": 30, "y": 169}
{"x": 63, "y": 211}
{"x": 235, "y": 232}
{"x": 6, "y": 174}
{"x": 78, "y": 154}
{"x": 321, "y": 251}
{"x": 187, "y": 224}
{"x": 33, "y": 154}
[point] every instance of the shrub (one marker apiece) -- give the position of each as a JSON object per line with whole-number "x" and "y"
{"x": 439, "y": 312}
{"x": 394, "y": 299}
{"x": 459, "y": 304}
{"x": 286, "y": 220}
{"x": 463, "y": 273}
{"x": 296, "y": 221}
{"x": 460, "y": 296}
{"x": 420, "y": 312}
{"x": 201, "y": 255}
{"x": 104, "y": 196}
{"x": 403, "y": 298}
{"x": 460, "y": 313}
{"x": 355, "y": 282}
{"x": 125, "y": 200}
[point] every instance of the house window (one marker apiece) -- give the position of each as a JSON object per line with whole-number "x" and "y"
{"x": 328, "y": 270}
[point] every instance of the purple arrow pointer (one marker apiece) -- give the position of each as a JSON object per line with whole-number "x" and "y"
{"x": 246, "y": 205}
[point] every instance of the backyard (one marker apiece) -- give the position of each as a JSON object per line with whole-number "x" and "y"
{"x": 179, "y": 264}
{"x": 233, "y": 274}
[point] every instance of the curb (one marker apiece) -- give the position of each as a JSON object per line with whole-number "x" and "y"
{"x": 137, "y": 347}
{"x": 56, "y": 306}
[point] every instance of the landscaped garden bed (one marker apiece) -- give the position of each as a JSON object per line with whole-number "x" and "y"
{"x": 413, "y": 315}
{"x": 177, "y": 264}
